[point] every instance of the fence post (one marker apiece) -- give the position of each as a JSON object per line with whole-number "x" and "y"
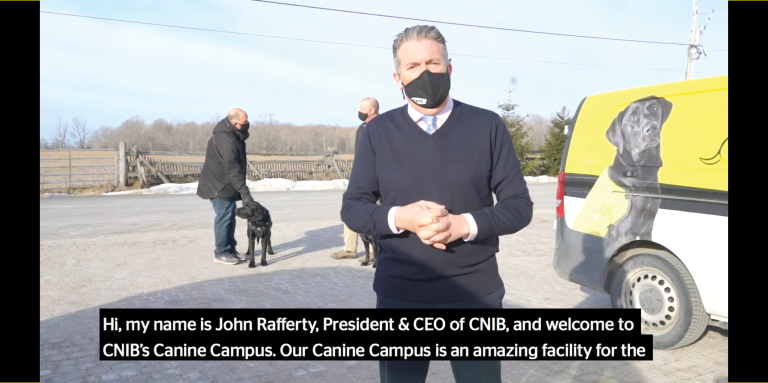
{"x": 255, "y": 170}
{"x": 122, "y": 165}
{"x": 335, "y": 164}
{"x": 152, "y": 168}
{"x": 70, "y": 170}
{"x": 116, "y": 171}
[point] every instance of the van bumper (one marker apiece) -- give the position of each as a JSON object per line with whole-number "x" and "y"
{"x": 580, "y": 258}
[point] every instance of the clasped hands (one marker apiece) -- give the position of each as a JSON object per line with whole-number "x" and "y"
{"x": 432, "y": 223}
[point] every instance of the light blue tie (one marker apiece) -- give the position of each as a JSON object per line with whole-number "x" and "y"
{"x": 430, "y": 120}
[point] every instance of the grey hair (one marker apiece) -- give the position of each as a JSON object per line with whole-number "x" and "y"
{"x": 418, "y": 32}
{"x": 233, "y": 116}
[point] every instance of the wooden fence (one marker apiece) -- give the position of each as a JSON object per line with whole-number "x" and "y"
{"x": 83, "y": 168}
{"x": 153, "y": 167}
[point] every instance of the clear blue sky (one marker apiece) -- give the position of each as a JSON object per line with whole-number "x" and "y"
{"x": 107, "y": 71}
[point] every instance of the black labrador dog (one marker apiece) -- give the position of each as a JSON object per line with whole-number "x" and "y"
{"x": 636, "y": 134}
{"x": 259, "y": 228}
{"x": 374, "y": 244}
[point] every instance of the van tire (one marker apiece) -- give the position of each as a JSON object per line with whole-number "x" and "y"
{"x": 671, "y": 307}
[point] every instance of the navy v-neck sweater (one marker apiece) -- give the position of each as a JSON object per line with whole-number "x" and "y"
{"x": 461, "y": 166}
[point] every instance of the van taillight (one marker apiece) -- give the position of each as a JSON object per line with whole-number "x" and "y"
{"x": 560, "y": 194}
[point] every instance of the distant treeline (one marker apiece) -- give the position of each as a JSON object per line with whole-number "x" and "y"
{"x": 266, "y": 136}
{"x": 530, "y": 133}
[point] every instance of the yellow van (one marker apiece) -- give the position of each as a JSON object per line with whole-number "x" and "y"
{"x": 642, "y": 208}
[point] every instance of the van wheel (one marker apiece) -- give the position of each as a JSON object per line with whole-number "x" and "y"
{"x": 660, "y": 285}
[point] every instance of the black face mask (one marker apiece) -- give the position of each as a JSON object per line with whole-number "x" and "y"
{"x": 429, "y": 90}
{"x": 362, "y": 116}
{"x": 244, "y": 127}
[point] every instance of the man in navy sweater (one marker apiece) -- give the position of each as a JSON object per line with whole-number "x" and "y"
{"x": 436, "y": 164}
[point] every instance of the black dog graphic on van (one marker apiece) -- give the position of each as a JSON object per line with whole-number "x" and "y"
{"x": 636, "y": 134}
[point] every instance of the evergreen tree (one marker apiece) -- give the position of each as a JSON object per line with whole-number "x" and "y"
{"x": 516, "y": 127}
{"x": 553, "y": 148}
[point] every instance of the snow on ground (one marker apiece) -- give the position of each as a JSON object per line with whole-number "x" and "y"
{"x": 50, "y": 195}
{"x": 540, "y": 179}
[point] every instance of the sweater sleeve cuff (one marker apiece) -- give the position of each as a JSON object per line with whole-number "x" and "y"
{"x": 391, "y": 220}
{"x": 472, "y": 227}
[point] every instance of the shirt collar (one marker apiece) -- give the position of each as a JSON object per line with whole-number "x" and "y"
{"x": 441, "y": 115}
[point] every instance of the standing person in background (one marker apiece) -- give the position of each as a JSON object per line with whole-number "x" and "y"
{"x": 368, "y": 109}
{"x": 222, "y": 181}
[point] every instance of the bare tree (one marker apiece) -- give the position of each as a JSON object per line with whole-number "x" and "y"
{"x": 80, "y": 132}
{"x": 104, "y": 137}
{"x": 133, "y": 131}
{"x": 43, "y": 143}
{"x": 264, "y": 119}
{"x": 267, "y": 136}
{"x": 538, "y": 128}
{"x": 60, "y": 133}
{"x": 265, "y": 133}
{"x": 161, "y": 135}
{"x": 269, "y": 132}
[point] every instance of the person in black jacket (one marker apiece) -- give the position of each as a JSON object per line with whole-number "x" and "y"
{"x": 222, "y": 180}
{"x": 368, "y": 109}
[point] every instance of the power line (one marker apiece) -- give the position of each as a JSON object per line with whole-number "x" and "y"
{"x": 349, "y": 44}
{"x": 558, "y": 62}
{"x": 470, "y": 25}
{"x": 212, "y": 30}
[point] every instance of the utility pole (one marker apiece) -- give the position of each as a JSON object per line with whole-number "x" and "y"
{"x": 692, "y": 44}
